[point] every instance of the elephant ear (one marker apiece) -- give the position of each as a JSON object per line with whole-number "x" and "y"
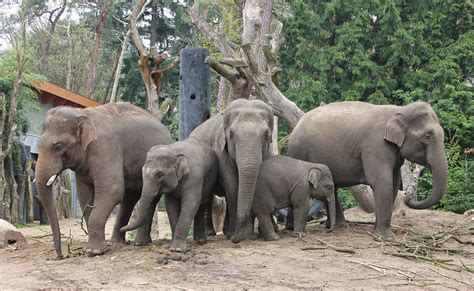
{"x": 395, "y": 130}
{"x": 86, "y": 131}
{"x": 182, "y": 167}
{"x": 313, "y": 177}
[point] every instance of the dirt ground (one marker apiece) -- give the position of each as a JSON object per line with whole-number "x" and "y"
{"x": 289, "y": 263}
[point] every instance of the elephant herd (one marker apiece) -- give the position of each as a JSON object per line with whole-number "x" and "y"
{"x": 122, "y": 154}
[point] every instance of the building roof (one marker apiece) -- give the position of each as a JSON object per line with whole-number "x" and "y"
{"x": 60, "y": 96}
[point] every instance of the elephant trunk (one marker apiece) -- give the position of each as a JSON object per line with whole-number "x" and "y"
{"x": 249, "y": 160}
{"x": 148, "y": 195}
{"x": 46, "y": 170}
{"x": 438, "y": 163}
{"x": 331, "y": 213}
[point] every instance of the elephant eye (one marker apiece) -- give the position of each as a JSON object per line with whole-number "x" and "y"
{"x": 231, "y": 133}
{"x": 57, "y": 146}
{"x": 160, "y": 174}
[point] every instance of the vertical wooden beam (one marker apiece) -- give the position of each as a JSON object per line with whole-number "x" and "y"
{"x": 194, "y": 91}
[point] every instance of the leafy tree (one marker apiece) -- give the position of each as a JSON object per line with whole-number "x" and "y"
{"x": 389, "y": 52}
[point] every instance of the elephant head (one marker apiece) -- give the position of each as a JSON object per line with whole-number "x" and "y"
{"x": 247, "y": 135}
{"x": 416, "y": 131}
{"x": 162, "y": 173}
{"x": 322, "y": 188}
{"x": 63, "y": 144}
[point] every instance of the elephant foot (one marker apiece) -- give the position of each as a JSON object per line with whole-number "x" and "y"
{"x": 299, "y": 233}
{"x": 200, "y": 240}
{"x": 141, "y": 240}
{"x": 117, "y": 239}
{"x": 95, "y": 248}
{"x": 210, "y": 232}
{"x": 178, "y": 246}
{"x": 328, "y": 230}
{"x": 272, "y": 236}
{"x": 340, "y": 222}
{"x": 384, "y": 234}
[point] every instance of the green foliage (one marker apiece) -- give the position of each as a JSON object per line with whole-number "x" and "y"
{"x": 346, "y": 198}
{"x": 389, "y": 52}
{"x": 27, "y": 96}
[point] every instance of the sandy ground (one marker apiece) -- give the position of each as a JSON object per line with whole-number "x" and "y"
{"x": 289, "y": 263}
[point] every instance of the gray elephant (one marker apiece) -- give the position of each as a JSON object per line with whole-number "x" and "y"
{"x": 186, "y": 173}
{"x": 106, "y": 146}
{"x": 241, "y": 137}
{"x": 363, "y": 143}
{"x": 287, "y": 182}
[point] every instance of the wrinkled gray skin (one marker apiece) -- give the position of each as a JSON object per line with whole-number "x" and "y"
{"x": 363, "y": 143}
{"x": 186, "y": 173}
{"x": 241, "y": 136}
{"x": 106, "y": 146}
{"x": 286, "y": 182}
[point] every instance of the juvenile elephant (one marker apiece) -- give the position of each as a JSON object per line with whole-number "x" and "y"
{"x": 241, "y": 137}
{"x": 186, "y": 173}
{"x": 363, "y": 143}
{"x": 286, "y": 182}
{"x": 106, "y": 146}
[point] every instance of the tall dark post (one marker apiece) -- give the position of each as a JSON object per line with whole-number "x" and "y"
{"x": 194, "y": 90}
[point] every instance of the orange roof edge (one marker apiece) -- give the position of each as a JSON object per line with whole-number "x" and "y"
{"x": 62, "y": 93}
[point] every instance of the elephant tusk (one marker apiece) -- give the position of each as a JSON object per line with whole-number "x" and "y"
{"x": 51, "y": 180}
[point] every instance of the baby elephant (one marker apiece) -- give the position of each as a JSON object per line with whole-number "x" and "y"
{"x": 287, "y": 182}
{"x": 186, "y": 173}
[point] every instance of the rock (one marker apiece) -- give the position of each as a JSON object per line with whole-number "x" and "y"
{"x": 176, "y": 256}
{"x": 161, "y": 259}
{"x": 202, "y": 261}
{"x": 9, "y": 235}
{"x": 12, "y": 237}
{"x": 187, "y": 256}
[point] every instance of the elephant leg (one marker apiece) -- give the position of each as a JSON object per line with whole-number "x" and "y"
{"x": 108, "y": 193}
{"x": 265, "y": 224}
{"x": 274, "y": 223}
{"x": 340, "y": 219}
{"x": 172, "y": 209}
{"x": 189, "y": 208}
{"x": 142, "y": 236}
{"x": 85, "y": 195}
{"x": 381, "y": 180}
{"x": 300, "y": 213}
{"x": 228, "y": 179}
{"x": 290, "y": 225}
{"x": 123, "y": 216}
{"x": 199, "y": 233}
{"x": 210, "y": 230}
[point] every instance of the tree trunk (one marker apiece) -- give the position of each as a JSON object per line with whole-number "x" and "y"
{"x": 111, "y": 79}
{"x": 223, "y": 94}
{"x": 247, "y": 68}
{"x": 152, "y": 76}
{"x": 8, "y": 124}
{"x": 70, "y": 52}
{"x": 13, "y": 198}
{"x": 29, "y": 193}
{"x": 90, "y": 81}
{"x": 118, "y": 71}
{"x": 53, "y": 20}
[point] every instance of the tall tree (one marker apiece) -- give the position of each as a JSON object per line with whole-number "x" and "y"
{"x": 243, "y": 68}
{"x": 150, "y": 62}
{"x": 95, "y": 53}
{"x": 8, "y": 122}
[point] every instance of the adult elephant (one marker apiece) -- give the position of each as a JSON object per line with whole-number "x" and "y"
{"x": 363, "y": 143}
{"x": 106, "y": 146}
{"x": 241, "y": 137}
